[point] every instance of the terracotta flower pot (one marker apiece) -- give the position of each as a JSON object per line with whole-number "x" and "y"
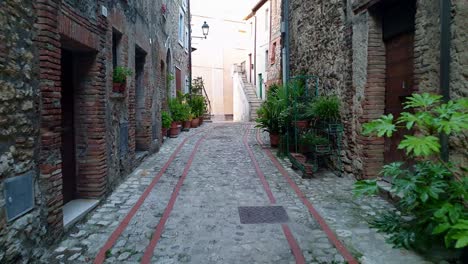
{"x": 186, "y": 125}
{"x": 302, "y": 124}
{"x": 119, "y": 87}
{"x": 301, "y": 148}
{"x": 274, "y": 140}
{"x": 201, "y": 120}
{"x": 163, "y": 133}
{"x": 175, "y": 130}
{"x": 195, "y": 122}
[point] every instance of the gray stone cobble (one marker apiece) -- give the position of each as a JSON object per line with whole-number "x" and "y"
{"x": 348, "y": 216}
{"x": 204, "y": 224}
{"x": 91, "y": 234}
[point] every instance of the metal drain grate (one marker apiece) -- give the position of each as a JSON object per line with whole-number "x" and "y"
{"x": 262, "y": 214}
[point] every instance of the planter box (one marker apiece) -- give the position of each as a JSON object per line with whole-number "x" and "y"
{"x": 322, "y": 149}
{"x": 119, "y": 87}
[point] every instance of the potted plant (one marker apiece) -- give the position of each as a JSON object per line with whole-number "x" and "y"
{"x": 166, "y": 123}
{"x": 197, "y": 103}
{"x": 194, "y": 121}
{"x": 311, "y": 142}
{"x": 301, "y": 116}
{"x": 269, "y": 115}
{"x": 120, "y": 79}
{"x": 325, "y": 110}
{"x": 177, "y": 114}
{"x": 186, "y": 117}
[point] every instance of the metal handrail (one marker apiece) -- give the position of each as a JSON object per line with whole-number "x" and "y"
{"x": 207, "y": 100}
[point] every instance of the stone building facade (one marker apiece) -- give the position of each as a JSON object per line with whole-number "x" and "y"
{"x": 361, "y": 52}
{"x": 274, "y": 61}
{"x": 65, "y": 133}
{"x": 265, "y": 49}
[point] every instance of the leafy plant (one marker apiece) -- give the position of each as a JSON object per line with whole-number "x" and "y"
{"x": 325, "y": 108}
{"x": 120, "y": 74}
{"x": 299, "y": 111}
{"x": 177, "y": 110}
{"x": 166, "y": 119}
{"x": 186, "y": 112}
{"x": 198, "y": 105}
{"x": 270, "y": 111}
{"x": 197, "y": 86}
{"x": 433, "y": 192}
{"x": 312, "y": 139}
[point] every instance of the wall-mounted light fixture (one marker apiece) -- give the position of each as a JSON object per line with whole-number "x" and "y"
{"x": 205, "y": 30}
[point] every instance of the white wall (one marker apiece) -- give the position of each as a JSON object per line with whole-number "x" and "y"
{"x": 241, "y": 103}
{"x": 260, "y": 24}
{"x": 226, "y": 45}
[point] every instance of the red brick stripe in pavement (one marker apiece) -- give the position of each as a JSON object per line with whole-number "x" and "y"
{"x": 296, "y": 250}
{"x": 160, "y": 227}
{"x": 331, "y": 236}
{"x": 101, "y": 256}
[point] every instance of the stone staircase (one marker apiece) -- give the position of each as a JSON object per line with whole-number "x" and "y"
{"x": 251, "y": 94}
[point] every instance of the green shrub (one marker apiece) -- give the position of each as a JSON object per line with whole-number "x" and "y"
{"x": 312, "y": 139}
{"x": 121, "y": 74}
{"x": 177, "y": 111}
{"x": 325, "y": 108}
{"x": 433, "y": 192}
{"x": 166, "y": 119}
{"x": 198, "y": 105}
{"x": 186, "y": 112}
{"x": 269, "y": 113}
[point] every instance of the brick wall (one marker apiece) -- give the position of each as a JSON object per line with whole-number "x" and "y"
{"x": 373, "y": 101}
{"x": 426, "y": 72}
{"x": 31, "y": 110}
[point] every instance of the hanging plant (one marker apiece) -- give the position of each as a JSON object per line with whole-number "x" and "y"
{"x": 120, "y": 79}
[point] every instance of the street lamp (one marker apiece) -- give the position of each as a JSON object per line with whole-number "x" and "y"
{"x": 205, "y": 30}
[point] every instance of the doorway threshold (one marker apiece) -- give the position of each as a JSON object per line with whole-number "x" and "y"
{"x": 76, "y": 210}
{"x": 141, "y": 155}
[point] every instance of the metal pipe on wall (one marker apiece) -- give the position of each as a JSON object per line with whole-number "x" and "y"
{"x": 285, "y": 50}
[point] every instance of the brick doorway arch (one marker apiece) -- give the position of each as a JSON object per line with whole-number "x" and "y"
{"x": 390, "y": 78}
{"x": 73, "y": 161}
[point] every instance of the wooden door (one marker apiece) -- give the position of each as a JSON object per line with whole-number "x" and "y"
{"x": 399, "y": 85}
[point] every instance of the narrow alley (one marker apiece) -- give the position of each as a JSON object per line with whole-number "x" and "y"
{"x": 219, "y": 195}
{"x": 223, "y": 132}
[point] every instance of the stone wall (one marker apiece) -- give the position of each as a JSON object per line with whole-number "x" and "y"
{"x": 341, "y": 42}
{"x": 19, "y": 127}
{"x": 459, "y": 73}
{"x": 320, "y": 39}
{"x": 32, "y": 44}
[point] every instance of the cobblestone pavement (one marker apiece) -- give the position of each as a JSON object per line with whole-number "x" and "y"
{"x": 191, "y": 214}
